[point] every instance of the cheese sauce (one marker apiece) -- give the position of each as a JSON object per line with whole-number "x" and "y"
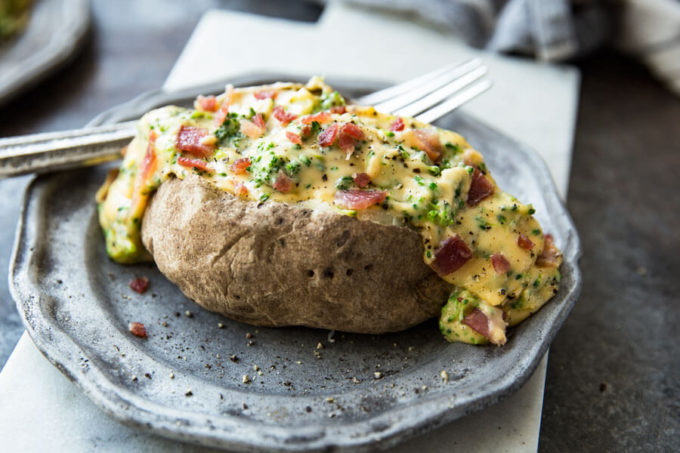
{"x": 302, "y": 145}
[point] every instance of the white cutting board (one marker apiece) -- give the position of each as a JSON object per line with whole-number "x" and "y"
{"x": 40, "y": 410}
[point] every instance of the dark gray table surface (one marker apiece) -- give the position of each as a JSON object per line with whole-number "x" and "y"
{"x": 613, "y": 381}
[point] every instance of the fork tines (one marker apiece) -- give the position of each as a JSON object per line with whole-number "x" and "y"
{"x": 432, "y": 95}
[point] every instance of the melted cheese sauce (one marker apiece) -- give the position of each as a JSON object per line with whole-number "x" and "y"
{"x": 429, "y": 197}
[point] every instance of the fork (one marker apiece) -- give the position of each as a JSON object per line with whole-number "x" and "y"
{"x": 427, "y": 97}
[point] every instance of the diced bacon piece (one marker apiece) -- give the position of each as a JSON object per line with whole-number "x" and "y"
{"x": 305, "y": 131}
{"x": 283, "y": 183}
{"x": 137, "y": 329}
{"x": 451, "y": 256}
{"x": 147, "y": 168}
{"x": 551, "y": 256}
{"x": 500, "y": 264}
{"x": 349, "y": 133}
{"x": 284, "y": 117}
{"x": 193, "y": 163}
{"x": 240, "y": 165}
{"x": 428, "y": 141}
{"x": 398, "y": 125}
{"x": 338, "y": 110}
{"x": 207, "y": 103}
{"x": 480, "y": 188}
{"x": 252, "y": 130}
{"x": 493, "y": 328}
{"x": 258, "y": 120}
{"x": 524, "y": 242}
{"x": 359, "y": 199}
{"x": 265, "y": 94}
{"x": 221, "y": 115}
{"x": 362, "y": 180}
{"x": 240, "y": 189}
{"x": 329, "y": 135}
{"x": 321, "y": 118}
{"x": 149, "y": 162}
{"x": 352, "y": 130}
{"x": 346, "y": 143}
{"x": 478, "y": 322}
{"x": 294, "y": 138}
{"x": 191, "y": 140}
{"x": 139, "y": 284}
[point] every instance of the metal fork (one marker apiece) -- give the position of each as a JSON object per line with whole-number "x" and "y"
{"x": 427, "y": 97}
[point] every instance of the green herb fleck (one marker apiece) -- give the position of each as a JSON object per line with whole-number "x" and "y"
{"x": 344, "y": 183}
{"x": 316, "y": 127}
{"x": 434, "y": 170}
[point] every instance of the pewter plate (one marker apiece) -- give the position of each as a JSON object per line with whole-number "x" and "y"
{"x": 356, "y": 392}
{"x": 54, "y": 32}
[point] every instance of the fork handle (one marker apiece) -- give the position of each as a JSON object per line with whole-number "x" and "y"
{"x": 65, "y": 149}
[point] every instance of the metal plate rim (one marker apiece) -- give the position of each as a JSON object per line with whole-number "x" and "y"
{"x": 139, "y": 412}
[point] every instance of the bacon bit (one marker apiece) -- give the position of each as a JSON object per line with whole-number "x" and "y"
{"x": 306, "y": 131}
{"x": 240, "y": 189}
{"x": 451, "y": 256}
{"x": 346, "y": 143}
{"x": 193, "y": 163}
{"x": 284, "y": 117}
{"x": 283, "y": 183}
{"x": 428, "y": 141}
{"x": 398, "y": 125}
{"x": 240, "y": 165}
{"x": 329, "y": 135}
{"x": 190, "y": 139}
{"x": 551, "y": 256}
{"x": 500, "y": 264}
{"x": 524, "y": 242}
{"x": 258, "y": 120}
{"x": 294, "y": 138}
{"x": 252, "y": 130}
{"x": 338, "y": 110}
{"x": 321, "y": 118}
{"x": 349, "y": 134}
{"x": 265, "y": 94}
{"x": 478, "y": 322}
{"x": 362, "y": 180}
{"x": 139, "y": 284}
{"x": 359, "y": 199}
{"x": 221, "y": 115}
{"x": 480, "y": 188}
{"x": 137, "y": 329}
{"x": 493, "y": 328}
{"x": 149, "y": 163}
{"x": 146, "y": 170}
{"x": 207, "y": 103}
{"x": 352, "y": 130}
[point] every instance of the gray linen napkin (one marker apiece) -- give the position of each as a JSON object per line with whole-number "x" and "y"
{"x": 556, "y": 30}
{"x": 549, "y": 30}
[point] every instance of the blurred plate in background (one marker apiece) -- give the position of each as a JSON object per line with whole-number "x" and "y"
{"x": 54, "y": 32}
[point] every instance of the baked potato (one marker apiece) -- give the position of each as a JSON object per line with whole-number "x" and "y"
{"x": 280, "y": 205}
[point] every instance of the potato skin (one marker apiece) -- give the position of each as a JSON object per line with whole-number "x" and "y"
{"x": 275, "y": 264}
